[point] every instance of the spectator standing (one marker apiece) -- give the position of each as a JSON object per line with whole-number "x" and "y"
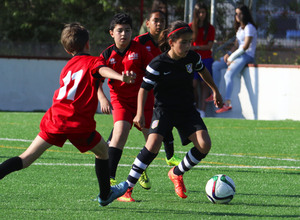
{"x": 203, "y": 40}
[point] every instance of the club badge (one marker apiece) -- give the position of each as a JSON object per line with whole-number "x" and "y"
{"x": 154, "y": 124}
{"x": 189, "y": 67}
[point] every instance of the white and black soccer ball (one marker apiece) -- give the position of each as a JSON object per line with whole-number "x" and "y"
{"x": 220, "y": 189}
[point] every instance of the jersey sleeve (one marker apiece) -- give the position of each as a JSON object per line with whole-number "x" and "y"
{"x": 199, "y": 66}
{"x": 97, "y": 64}
{"x": 152, "y": 76}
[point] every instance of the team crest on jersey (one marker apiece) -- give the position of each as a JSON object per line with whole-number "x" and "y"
{"x": 189, "y": 67}
{"x": 154, "y": 124}
{"x": 133, "y": 56}
{"x": 148, "y": 48}
{"x": 112, "y": 61}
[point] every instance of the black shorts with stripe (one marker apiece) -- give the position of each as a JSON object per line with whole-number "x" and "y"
{"x": 187, "y": 122}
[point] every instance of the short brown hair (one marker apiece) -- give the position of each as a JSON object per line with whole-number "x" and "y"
{"x": 74, "y": 37}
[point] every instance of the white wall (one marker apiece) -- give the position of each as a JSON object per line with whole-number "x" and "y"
{"x": 266, "y": 92}
{"x": 29, "y": 84}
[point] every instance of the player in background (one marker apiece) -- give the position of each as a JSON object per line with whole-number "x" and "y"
{"x": 71, "y": 116}
{"x": 161, "y": 5}
{"x": 125, "y": 55}
{"x": 171, "y": 76}
{"x": 203, "y": 40}
{"x": 156, "y": 24}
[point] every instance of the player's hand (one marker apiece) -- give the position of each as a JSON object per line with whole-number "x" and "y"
{"x": 128, "y": 77}
{"x": 106, "y": 106}
{"x": 139, "y": 121}
{"x": 218, "y": 101}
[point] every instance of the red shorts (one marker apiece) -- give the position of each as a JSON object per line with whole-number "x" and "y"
{"x": 82, "y": 141}
{"x": 126, "y": 112}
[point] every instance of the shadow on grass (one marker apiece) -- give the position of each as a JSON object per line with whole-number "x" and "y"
{"x": 200, "y": 213}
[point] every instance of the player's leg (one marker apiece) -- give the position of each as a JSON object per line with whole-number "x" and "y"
{"x": 33, "y": 152}
{"x": 192, "y": 158}
{"x": 202, "y": 145}
{"x": 141, "y": 162}
{"x": 107, "y": 193}
{"x": 144, "y": 179}
{"x": 110, "y": 136}
{"x": 191, "y": 128}
{"x": 119, "y": 138}
{"x": 171, "y": 158}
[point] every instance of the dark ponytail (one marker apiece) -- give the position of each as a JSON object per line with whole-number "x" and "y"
{"x": 174, "y": 32}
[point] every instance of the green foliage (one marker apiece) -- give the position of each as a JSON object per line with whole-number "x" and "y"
{"x": 42, "y": 21}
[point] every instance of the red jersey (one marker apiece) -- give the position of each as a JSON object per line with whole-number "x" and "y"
{"x": 135, "y": 58}
{"x": 75, "y": 102}
{"x": 200, "y": 41}
{"x": 149, "y": 43}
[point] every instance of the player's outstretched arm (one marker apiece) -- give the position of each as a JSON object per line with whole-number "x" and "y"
{"x": 128, "y": 77}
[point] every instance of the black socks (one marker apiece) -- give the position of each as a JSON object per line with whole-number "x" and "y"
{"x": 10, "y": 165}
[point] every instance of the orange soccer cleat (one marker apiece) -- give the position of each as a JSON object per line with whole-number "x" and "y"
{"x": 127, "y": 196}
{"x": 178, "y": 183}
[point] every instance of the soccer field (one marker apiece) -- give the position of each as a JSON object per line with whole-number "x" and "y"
{"x": 262, "y": 157}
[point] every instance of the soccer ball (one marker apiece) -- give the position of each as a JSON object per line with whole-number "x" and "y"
{"x": 220, "y": 189}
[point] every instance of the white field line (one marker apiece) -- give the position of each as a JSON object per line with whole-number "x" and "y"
{"x": 183, "y": 152}
{"x": 153, "y": 165}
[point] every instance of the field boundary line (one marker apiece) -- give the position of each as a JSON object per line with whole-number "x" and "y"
{"x": 162, "y": 166}
{"x": 181, "y": 152}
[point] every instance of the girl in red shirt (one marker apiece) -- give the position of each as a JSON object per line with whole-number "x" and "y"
{"x": 203, "y": 39}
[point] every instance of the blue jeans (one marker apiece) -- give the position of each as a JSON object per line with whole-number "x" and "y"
{"x": 233, "y": 70}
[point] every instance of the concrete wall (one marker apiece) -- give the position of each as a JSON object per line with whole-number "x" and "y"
{"x": 29, "y": 84}
{"x": 264, "y": 92}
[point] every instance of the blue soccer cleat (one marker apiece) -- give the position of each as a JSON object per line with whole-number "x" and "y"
{"x": 115, "y": 192}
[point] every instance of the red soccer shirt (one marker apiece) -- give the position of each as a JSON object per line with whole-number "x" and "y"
{"x": 149, "y": 43}
{"x": 135, "y": 58}
{"x": 200, "y": 41}
{"x": 75, "y": 102}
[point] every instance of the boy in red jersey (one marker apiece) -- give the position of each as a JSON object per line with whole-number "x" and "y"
{"x": 71, "y": 115}
{"x": 156, "y": 24}
{"x": 125, "y": 55}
